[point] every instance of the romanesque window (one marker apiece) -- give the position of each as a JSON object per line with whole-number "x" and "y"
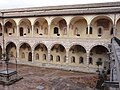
{"x": 81, "y": 60}
{"x": 28, "y": 30}
{"x": 91, "y": 30}
{"x": 64, "y": 31}
{"x": 44, "y": 56}
{"x": 37, "y": 56}
{"x": 23, "y": 55}
{"x": 21, "y": 31}
{"x": 87, "y": 30}
{"x": 46, "y": 31}
{"x": 51, "y": 57}
{"x": 90, "y": 60}
{"x": 56, "y": 30}
{"x": 111, "y": 31}
{"x": 58, "y": 58}
{"x": 76, "y": 31}
{"x": 13, "y": 30}
{"x": 37, "y": 31}
{"x": 64, "y": 58}
{"x": 6, "y": 30}
{"x": 100, "y": 30}
{"x": 72, "y": 59}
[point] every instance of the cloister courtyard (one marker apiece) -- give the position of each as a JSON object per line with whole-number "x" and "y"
{"x": 51, "y": 79}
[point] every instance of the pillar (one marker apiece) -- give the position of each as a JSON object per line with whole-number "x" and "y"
{"x": 32, "y": 56}
{"x": 48, "y": 55}
{"x": 88, "y": 29}
{"x": 18, "y": 30}
{"x": 87, "y": 61}
{"x": 18, "y": 54}
{"x": 32, "y": 30}
{"x": 67, "y": 57}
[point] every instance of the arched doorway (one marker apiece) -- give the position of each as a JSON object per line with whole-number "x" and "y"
{"x": 58, "y": 54}
{"x": 99, "y": 52}
{"x": 25, "y": 52}
{"x": 11, "y": 50}
{"x": 77, "y": 55}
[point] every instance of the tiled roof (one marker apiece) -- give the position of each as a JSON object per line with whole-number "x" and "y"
{"x": 97, "y": 8}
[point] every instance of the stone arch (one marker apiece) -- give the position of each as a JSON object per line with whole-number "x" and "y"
{"x": 100, "y": 52}
{"x": 25, "y": 27}
{"x": 41, "y": 50}
{"x": 58, "y": 50}
{"x": 10, "y": 27}
{"x": 27, "y": 50}
{"x": 40, "y": 26}
{"x": 61, "y": 24}
{"x": 77, "y": 51}
{"x": 103, "y": 21}
{"x": 11, "y": 50}
{"x": 78, "y": 23}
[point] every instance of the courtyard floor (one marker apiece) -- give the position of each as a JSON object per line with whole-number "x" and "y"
{"x": 51, "y": 79}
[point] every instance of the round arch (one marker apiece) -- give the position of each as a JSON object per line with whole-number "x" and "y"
{"x": 11, "y": 50}
{"x": 26, "y": 20}
{"x": 100, "y": 17}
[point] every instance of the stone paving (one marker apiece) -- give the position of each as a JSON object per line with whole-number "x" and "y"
{"x": 52, "y": 79}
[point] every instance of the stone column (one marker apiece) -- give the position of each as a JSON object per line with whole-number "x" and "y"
{"x": 67, "y": 57}
{"x": 68, "y": 30}
{"x": 49, "y": 30}
{"x": 32, "y": 30}
{"x": 48, "y": 55}
{"x": 88, "y": 29}
{"x": 17, "y": 30}
{"x": 87, "y": 61}
{"x": 32, "y": 56}
{"x": 18, "y": 54}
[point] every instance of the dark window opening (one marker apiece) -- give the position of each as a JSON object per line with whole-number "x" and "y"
{"x": 91, "y": 30}
{"x": 56, "y": 30}
{"x": 90, "y": 60}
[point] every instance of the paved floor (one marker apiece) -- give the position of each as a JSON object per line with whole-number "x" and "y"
{"x": 52, "y": 79}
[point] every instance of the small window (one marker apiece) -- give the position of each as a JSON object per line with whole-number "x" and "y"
{"x": 57, "y": 58}
{"x": 90, "y": 60}
{"x": 37, "y": 56}
{"x": 72, "y": 59}
{"x": 46, "y": 31}
{"x": 44, "y": 56}
{"x": 111, "y": 31}
{"x": 64, "y": 31}
{"x": 76, "y": 31}
{"x": 87, "y": 30}
{"x": 51, "y": 57}
{"x": 13, "y": 30}
{"x": 81, "y": 60}
{"x": 23, "y": 55}
{"x": 56, "y": 30}
{"x": 37, "y": 31}
{"x": 28, "y": 30}
{"x": 91, "y": 30}
{"x": 100, "y": 29}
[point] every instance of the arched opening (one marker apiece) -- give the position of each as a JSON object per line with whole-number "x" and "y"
{"x": 11, "y": 50}
{"x": 76, "y": 55}
{"x": 41, "y": 51}
{"x": 58, "y": 51}
{"x": 58, "y": 27}
{"x": 99, "y": 52}
{"x": 25, "y": 52}
{"x": 25, "y": 27}
{"x": 78, "y": 27}
{"x": 101, "y": 27}
{"x": 21, "y": 31}
{"x": 10, "y": 28}
{"x": 40, "y": 27}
